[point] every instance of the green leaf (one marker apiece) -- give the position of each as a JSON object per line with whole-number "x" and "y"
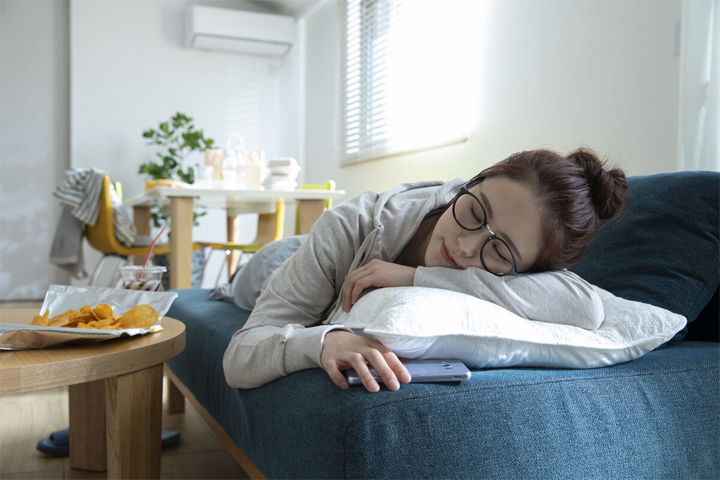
{"x": 197, "y": 215}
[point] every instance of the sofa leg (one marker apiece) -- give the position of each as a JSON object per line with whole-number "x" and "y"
{"x": 175, "y": 398}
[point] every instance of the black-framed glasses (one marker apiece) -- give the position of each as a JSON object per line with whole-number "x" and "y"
{"x": 495, "y": 254}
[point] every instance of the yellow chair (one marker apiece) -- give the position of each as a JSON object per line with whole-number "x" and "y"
{"x": 101, "y": 236}
{"x": 270, "y": 228}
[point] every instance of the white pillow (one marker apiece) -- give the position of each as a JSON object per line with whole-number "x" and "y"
{"x": 419, "y": 322}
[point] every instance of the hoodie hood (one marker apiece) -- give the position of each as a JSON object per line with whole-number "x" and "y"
{"x": 400, "y": 210}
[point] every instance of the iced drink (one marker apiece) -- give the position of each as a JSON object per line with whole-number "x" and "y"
{"x": 142, "y": 278}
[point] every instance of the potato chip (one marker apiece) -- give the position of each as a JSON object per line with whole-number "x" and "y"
{"x": 41, "y": 320}
{"x": 62, "y": 319}
{"x": 75, "y": 320}
{"x": 86, "y": 317}
{"x": 142, "y": 316}
{"x": 101, "y": 317}
{"x": 104, "y": 323}
{"x": 103, "y": 311}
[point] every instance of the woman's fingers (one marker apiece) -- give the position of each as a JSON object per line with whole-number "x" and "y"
{"x": 349, "y": 286}
{"x": 336, "y": 376}
{"x": 383, "y": 370}
{"x": 397, "y": 366}
{"x": 358, "y": 288}
{"x": 342, "y": 350}
{"x": 376, "y": 273}
{"x": 363, "y": 371}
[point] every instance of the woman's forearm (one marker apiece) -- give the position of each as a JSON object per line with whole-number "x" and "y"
{"x": 259, "y": 355}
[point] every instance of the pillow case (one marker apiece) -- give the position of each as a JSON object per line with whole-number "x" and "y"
{"x": 665, "y": 249}
{"x": 419, "y": 322}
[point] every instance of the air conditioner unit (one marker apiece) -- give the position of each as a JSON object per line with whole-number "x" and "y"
{"x": 252, "y": 33}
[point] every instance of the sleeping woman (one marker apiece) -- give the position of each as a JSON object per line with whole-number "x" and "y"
{"x": 506, "y": 236}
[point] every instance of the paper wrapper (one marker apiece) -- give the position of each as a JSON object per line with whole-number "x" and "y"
{"x": 61, "y": 298}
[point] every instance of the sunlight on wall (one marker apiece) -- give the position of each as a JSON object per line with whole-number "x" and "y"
{"x": 430, "y": 75}
{"x": 408, "y": 76}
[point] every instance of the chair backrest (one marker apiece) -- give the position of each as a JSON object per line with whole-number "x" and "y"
{"x": 101, "y": 236}
{"x": 329, "y": 185}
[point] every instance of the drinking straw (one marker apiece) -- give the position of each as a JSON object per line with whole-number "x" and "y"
{"x": 153, "y": 244}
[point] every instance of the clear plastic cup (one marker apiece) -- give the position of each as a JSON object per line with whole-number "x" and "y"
{"x": 135, "y": 277}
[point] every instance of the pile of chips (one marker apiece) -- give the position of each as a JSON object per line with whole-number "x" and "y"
{"x": 100, "y": 317}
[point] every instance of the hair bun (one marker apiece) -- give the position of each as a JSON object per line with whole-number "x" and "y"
{"x": 608, "y": 187}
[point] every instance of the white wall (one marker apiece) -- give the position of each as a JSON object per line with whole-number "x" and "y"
{"x": 554, "y": 74}
{"x": 130, "y": 71}
{"x": 34, "y": 141}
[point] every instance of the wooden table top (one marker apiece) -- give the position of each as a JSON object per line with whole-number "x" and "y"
{"x": 28, "y": 370}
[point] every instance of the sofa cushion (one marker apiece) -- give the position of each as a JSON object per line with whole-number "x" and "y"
{"x": 629, "y": 420}
{"x": 665, "y": 249}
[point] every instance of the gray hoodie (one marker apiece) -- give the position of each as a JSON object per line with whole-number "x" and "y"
{"x": 286, "y": 328}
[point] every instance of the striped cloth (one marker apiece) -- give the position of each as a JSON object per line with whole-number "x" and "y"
{"x": 80, "y": 191}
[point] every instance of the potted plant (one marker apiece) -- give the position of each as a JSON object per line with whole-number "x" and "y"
{"x": 177, "y": 138}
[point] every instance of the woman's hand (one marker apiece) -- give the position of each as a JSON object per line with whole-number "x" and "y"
{"x": 375, "y": 273}
{"x": 342, "y": 350}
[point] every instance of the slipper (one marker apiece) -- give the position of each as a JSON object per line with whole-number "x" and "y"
{"x": 49, "y": 448}
{"x": 58, "y": 443}
{"x": 61, "y": 438}
{"x": 170, "y": 438}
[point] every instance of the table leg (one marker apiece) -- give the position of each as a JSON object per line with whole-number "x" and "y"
{"x": 233, "y": 236}
{"x": 175, "y": 398}
{"x": 88, "y": 447}
{"x": 141, "y": 218}
{"x": 308, "y": 212}
{"x": 181, "y": 218}
{"x": 134, "y": 423}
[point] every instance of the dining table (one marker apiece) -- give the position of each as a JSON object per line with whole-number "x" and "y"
{"x": 183, "y": 200}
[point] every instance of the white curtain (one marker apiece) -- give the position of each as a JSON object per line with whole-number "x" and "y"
{"x": 699, "y": 89}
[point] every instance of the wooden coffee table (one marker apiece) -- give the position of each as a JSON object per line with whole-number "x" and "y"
{"x": 115, "y": 390}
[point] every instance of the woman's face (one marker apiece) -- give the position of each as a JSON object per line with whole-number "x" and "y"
{"x": 513, "y": 214}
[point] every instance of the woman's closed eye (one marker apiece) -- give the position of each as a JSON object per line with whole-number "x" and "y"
{"x": 499, "y": 255}
{"x": 472, "y": 214}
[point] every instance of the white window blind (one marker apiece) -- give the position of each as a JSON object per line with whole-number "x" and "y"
{"x": 408, "y": 75}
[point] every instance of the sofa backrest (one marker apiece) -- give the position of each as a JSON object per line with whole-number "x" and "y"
{"x": 665, "y": 250}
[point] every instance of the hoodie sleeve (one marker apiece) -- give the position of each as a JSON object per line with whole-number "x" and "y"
{"x": 554, "y": 297}
{"x": 284, "y": 333}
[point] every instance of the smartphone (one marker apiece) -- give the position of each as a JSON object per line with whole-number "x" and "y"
{"x": 430, "y": 370}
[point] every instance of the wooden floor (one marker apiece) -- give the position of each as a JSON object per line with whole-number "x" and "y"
{"x": 25, "y": 418}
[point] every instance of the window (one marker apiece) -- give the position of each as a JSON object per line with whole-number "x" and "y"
{"x": 408, "y": 75}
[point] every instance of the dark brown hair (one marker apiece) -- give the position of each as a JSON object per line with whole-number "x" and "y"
{"x": 576, "y": 191}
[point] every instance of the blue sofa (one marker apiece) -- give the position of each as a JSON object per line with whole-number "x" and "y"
{"x": 655, "y": 417}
